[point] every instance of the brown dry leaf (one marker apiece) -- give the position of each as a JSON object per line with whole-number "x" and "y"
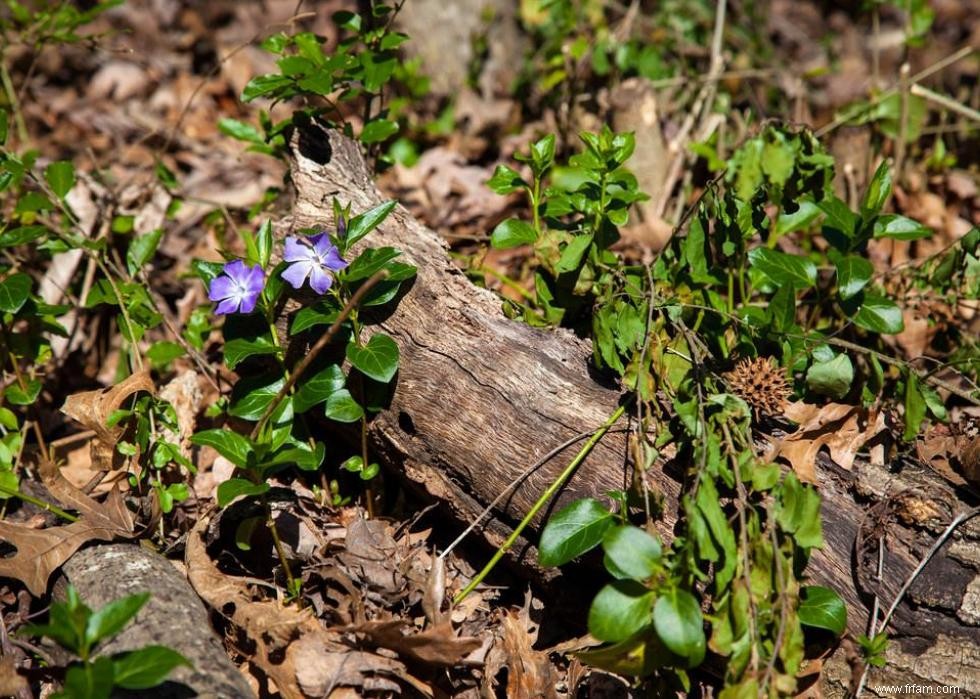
{"x": 92, "y": 409}
{"x": 40, "y": 552}
{"x": 843, "y": 429}
{"x": 291, "y": 647}
{"x": 12, "y": 683}
{"x": 438, "y": 645}
{"x": 528, "y": 671}
{"x": 938, "y": 447}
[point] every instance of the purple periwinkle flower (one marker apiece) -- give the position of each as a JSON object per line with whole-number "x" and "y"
{"x": 237, "y": 289}
{"x": 314, "y": 257}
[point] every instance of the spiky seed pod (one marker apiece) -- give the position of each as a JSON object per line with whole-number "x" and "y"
{"x": 761, "y": 383}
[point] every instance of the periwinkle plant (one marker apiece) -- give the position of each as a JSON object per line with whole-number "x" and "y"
{"x": 277, "y": 397}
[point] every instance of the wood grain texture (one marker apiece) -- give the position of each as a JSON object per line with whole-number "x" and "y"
{"x": 480, "y": 398}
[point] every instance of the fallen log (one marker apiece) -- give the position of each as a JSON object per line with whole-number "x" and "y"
{"x": 174, "y": 616}
{"x": 479, "y": 398}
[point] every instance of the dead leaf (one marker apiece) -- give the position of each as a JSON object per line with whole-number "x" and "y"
{"x": 290, "y": 646}
{"x": 439, "y": 645}
{"x": 40, "y": 552}
{"x": 843, "y": 429}
{"x": 92, "y": 408}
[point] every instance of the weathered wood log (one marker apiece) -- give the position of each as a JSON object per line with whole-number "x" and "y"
{"x": 479, "y": 398}
{"x": 174, "y": 616}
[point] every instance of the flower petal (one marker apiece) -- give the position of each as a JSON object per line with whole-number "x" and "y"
{"x": 333, "y": 261}
{"x": 296, "y": 251}
{"x": 297, "y": 272}
{"x": 248, "y": 302}
{"x": 229, "y": 305}
{"x": 221, "y": 288}
{"x": 236, "y": 269}
{"x": 321, "y": 244}
{"x": 254, "y": 280}
{"x": 320, "y": 279}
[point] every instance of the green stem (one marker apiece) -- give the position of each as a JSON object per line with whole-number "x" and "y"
{"x": 46, "y": 506}
{"x": 8, "y": 87}
{"x": 280, "y": 551}
{"x": 545, "y": 497}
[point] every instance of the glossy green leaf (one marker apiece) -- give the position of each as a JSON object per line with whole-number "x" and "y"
{"x": 621, "y": 608}
{"x": 318, "y": 387}
{"x": 93, "y": 681}
{"x": 146, "y": 667}
{"x": 782, "y": 268}
{"x": 26, "y": 395}
{"x": 899, "y": 227}
{"x": 370, "y": 261}
{"x": 21, "y": 235}
{"x": 234, "y": 488}
{"x": 832, "y": 378}
{"x": 505, "y": 180}
{"x": 361, "y": 225}
{"x": 14, "y": 291}
{"x": 822, "y": 608}
{"x": 853, "y": 274}
{"x": 378, "y": 130}
{"x": 879, "y": 314}
{"x": 377, "y": 359}
{"x": 252, "y": 395}
{"x": 60, "y": 176}
{"x": 110, "y": 619}
{"x": 915, "y": 406}
{"x": 879, "y": 189}
{"x": 141, "y": 250}
{"x": 679, "y": 623}
{"x": 511, "y": 233}
{"x": 631, "y": 552}
{"x": 231, "y": 445}
{"x": 342, "y": 407}
{"x": 240, "y": 349}
{"x": 573, "y": 530}
{"x": 571, "y": 256}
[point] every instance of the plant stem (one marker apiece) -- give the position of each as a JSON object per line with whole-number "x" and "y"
{"x": 545, "y": 497}
{"x": 46, "y": 506}
{"x": 280, "y": 551}
{"x": 316, "y": 349}
{"x": 8, "y": 87}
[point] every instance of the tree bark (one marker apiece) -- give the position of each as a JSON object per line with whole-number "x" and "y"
{"x": 479, "y": 398}
{"x": 174, "y": 616}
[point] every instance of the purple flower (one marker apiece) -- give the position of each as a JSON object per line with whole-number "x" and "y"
{"x": 314, "y": 257}
{"x": 237, "y": 288}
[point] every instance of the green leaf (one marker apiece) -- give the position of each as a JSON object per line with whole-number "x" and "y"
{"x": 781, "y": 268}
{"x": 620, "y": 610}
{"x": 915, "y": 406}
{"x": 879, "y": 314}
{"x": 342, "y": 407}
{"x": 511, "y": 233}
{"x": 241, "y": 131}
{"x": 141, "y": 250}
{"x": 60, "y": 176}
{"x": 162, "y": 353}
{"x": 14, "y": 291}
{"x": 264, "y": 85}
{"x": 239, "y": 349}
{"x": 679, "y": 624}
{"x": 378, "y": 359}
{"x": 571, "y": 256}
{"x": 21, "y": 235}
{"x": 147, "y": 667}
{"x": 799, "y": 220}
{"x": 361, "y": 225}
{"x": 23, "y": 396}
{"x": 853, "y": 274}
{"x": 822, "y": 608}
{"x": 318, "y": 388}
{"x": 311, "y": 316}
{"x": 93, "y": 681}
{"x": 505, "y": 180}
{"x": 832, "y": 378}
{"x": 878, "y": 192}
{"x": 369, "y": 262}
{"x": 631, "y": 552}
{"x": 237, "y": 487}
{"x": 378, "y": 130}
{"x": 572, "y": 531}
{"x": 782, "y": 308}
{"x": 252, "y": 395}
{"x": 110, "y": 619}
{"x": 899, "y": 228}
{"x": 231, "y": 445}
{"x": 799, "y": 512}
